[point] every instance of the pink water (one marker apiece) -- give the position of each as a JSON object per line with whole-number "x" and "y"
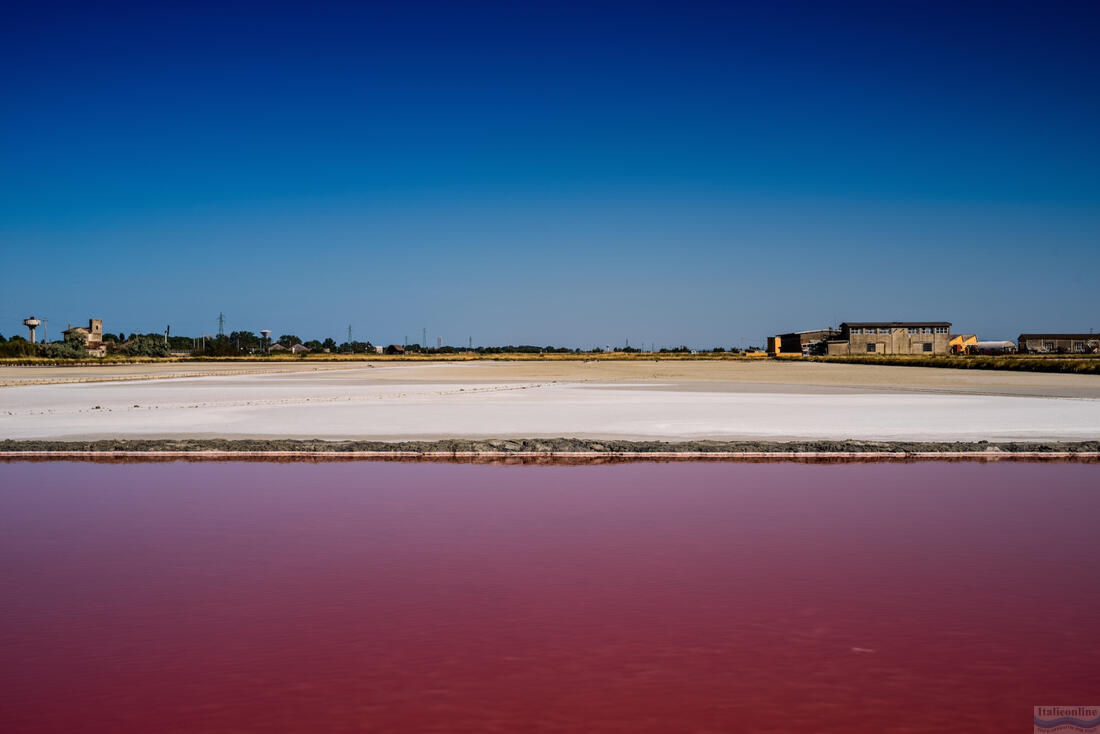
{"x": 684, "y": 597}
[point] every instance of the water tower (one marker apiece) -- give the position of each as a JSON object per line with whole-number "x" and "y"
{"x": 32, "y": 323}
{"x": 265, "y": 333}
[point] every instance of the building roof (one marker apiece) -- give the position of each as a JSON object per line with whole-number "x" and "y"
{"x": 893, "y": 324}
{"x": 1081, "y": 337}
{"x": 825, "y": 330}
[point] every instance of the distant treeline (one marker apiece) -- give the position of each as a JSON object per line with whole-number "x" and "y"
{"x": 73, "y": 347}
{"x": 242, "y": 343}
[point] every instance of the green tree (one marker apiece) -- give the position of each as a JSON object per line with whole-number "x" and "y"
{"x": 288, "y": 340}
{"x": 72, "y": 348}
{"x": 246, "y": 340}
{"x": 146, "y": 345}
{"x": 17, "y": 346}
{"x": 354, "y": 347}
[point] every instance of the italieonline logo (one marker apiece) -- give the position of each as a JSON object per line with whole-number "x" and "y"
{"x": 1067, "y": 719}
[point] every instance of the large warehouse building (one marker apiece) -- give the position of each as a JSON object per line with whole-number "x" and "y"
{"x": 892, "y": 337}
{"x": 1059, "y": 343}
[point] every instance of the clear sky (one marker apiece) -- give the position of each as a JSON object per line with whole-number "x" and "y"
{"x": 543, "y": 173}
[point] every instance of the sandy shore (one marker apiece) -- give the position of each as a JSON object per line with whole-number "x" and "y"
{"x": 597, "y": 400}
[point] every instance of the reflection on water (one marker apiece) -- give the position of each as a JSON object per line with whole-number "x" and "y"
{"x": 375, "y": 596}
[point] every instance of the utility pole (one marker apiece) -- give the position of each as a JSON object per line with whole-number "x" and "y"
{"x": 471, "y": 346}
{"x": 221, "y": 324}
{"x": 424, "y": 339}
{"x": 349, "y": 333}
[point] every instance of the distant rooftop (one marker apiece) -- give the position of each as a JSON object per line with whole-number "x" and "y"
{"x": 809, "y": 331}
{"x": 894, "y": 324}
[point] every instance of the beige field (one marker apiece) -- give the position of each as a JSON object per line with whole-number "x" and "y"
{"x": 673, "y": 400}
{"x": 717, "y": 375}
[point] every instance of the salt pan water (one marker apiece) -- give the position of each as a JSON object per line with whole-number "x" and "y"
{"x": 648, "y": 597}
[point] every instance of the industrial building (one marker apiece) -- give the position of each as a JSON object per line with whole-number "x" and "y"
{"x": 991, "y": 347}
{"x": 960, "y": 343}
{"x": 801, "y": 342}
{"x": 1059, "y": 343}
{"x": 91, "y": 336}
{"x": 892, "y": 337}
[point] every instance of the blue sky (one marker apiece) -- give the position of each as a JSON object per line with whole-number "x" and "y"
{"x": 670, "y": 173}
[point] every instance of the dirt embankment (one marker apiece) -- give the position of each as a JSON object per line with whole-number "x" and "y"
{"x": 1066, "y": 364}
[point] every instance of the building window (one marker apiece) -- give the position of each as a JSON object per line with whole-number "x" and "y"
{"x": 927, "y": 346}
{"x": 856, "y": 331}
{"x": 871, "y": 347}
{"x": 941, "y": 330}
{"x": 1078, "y": 346}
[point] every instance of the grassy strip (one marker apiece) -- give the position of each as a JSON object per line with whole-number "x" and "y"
{"x": 1084, "y": 365}
{"x": 544, "y": 445}
{"x": 310, "y": 358}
